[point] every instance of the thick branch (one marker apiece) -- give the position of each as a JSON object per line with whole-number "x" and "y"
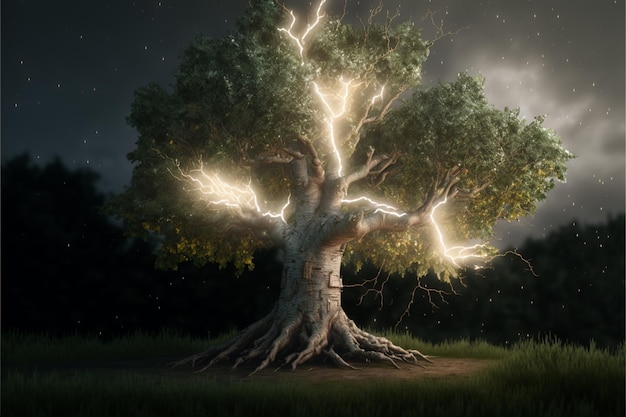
{"x": 342, "y": 228}
{"x": 392, "y": 222}
{"x": 354, "y": 135}
{"x": 262, "y": 226}
{"x": 443, "y": 189}
{"x": 308, "y": 178}
{"x": 379, "y": 175}
{"x": 307, "y": 148}
{"x": 279, "y": 157}
{"x": 380, "y": 163}
{"x": 299, "y": 172}
{"x": 266, "y": 160}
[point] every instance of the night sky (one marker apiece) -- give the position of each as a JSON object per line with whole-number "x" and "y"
{"x": 69, "y": 70}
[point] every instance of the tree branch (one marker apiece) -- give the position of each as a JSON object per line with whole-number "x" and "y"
{"x": 266, "y": 160}
{"x": 307, "y": 148}
{"x": 278, "y": 157}
{"x": 364, "y": 169}
{"x": 373, "y": 166}
{"x": 263, "y": 227}
{"x": 383, "y": 170}
{"x": 472, "y": 192}
{"x": 440, "y": 33}
{"x": 354, "y": 134}
{"x": 308, "y": 178}
{"x": 441, "y": 188}
{"x": 444, "y": 188}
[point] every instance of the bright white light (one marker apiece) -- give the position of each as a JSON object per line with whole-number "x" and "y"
{"x": 379, "y": 96}
{"x": 300, "y": 40}
{"x": 380, "y": 207}
{"x": 337, "y": 109}
{"x": 218, "y": 192}
{"x": 334, "y": 114}
{"x": 455, "y": 253}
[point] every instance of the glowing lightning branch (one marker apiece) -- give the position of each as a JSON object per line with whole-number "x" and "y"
{"x": 335, "y": 111}
{"x": 378, "y": 96}
{"x": 334, "y": 115}
{"x": 455, "y": 253}
{"x": 221, "y": 193}
{"x": 300, "y": 40}
{"x": 380, "y": 207}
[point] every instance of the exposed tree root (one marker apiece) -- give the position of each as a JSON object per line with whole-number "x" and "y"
{"x": 297, "y": 340}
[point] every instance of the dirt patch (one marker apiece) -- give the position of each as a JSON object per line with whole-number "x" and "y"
{"x": 314, "y": 373}
{"x": 440, "y": 367}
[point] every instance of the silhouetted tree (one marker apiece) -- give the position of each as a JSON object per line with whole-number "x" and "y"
{"x": 575, "y": 292}
{"x": 68, "y": 268}
{"x": 57, "y": 248}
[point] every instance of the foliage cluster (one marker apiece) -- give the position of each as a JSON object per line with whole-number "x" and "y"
{"x": 575, "y": 291}
{"x": 248, "y": 97}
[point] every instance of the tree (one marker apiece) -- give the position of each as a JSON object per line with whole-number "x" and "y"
{"x": 299, "y": 136}
{"x": 68, "y": 269}
{"x": 57, "y": 247}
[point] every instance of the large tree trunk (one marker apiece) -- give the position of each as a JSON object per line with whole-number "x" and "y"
{"x": 307, "y": 320}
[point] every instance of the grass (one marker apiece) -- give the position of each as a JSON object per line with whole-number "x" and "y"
{"x": 540, "y": 378}
{"x": 463, "y": 348}
{"x": 45, "y": 349}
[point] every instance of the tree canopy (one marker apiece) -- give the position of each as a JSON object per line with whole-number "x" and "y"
{"x": 348, "y": 97}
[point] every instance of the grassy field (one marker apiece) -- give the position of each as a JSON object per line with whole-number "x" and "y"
{"x": 541, "y": 378}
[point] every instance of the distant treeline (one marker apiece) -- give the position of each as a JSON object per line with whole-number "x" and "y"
{"x": 66, "y": 268}
{"x": 569, "y": 285}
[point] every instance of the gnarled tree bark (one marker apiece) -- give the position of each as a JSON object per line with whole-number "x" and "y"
{"x": 308, "y": 320}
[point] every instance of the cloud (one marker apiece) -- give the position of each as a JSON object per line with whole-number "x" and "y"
{"x": 595, "y": 179}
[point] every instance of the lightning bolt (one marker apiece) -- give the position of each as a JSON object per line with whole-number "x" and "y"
{"x": 456, "y": 254}
{"x": 219, "y": 192}
{"x": 380, "y": 207}
{"x": 216, "y": 191}
{"x": 337, "y": 111}
{"x": 334, "y": 114}
{"x": 299, "y": 40}
{"x": 378, "y": 96}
